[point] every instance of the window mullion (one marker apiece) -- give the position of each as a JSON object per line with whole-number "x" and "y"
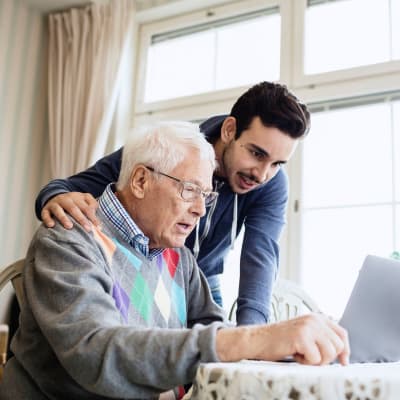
{"x": 286, "y": 60}
{"x": 216, "y": 37}
{"x": 298, "y": 37}
{"x": 391, "y": 55}
{"x": 394, "y": 161}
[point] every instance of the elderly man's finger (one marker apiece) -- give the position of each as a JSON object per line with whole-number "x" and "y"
{"x": 328, "y": 350}
{"x": 311, "y": 354}
{"x": 344, "y": 354}
{"x": 342, "y": 333}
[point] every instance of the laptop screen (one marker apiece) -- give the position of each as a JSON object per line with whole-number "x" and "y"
{"x": 372, "y": 313}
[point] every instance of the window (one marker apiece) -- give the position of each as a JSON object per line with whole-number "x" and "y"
{"x": 350, "y": 196}
{"x": 350, "y": 33}
{"x": 226, "y": 52}
{"x": 213, "y": 56}
{"x": 341, "y": 57}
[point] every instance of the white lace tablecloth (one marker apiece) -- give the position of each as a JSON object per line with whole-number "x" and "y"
{"x": 248, "y": 380}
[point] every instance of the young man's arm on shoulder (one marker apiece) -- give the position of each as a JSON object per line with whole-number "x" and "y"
{"x": 75, "y": 195}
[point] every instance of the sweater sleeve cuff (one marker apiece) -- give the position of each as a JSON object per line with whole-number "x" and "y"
{"x": 207, "y": 342}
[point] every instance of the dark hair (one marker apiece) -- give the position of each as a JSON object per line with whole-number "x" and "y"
{"x": 275, "y": 106}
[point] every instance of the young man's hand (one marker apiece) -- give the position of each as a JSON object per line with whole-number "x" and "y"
{"x": 81, "y": 206}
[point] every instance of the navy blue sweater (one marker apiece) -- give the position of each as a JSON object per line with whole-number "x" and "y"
{"x": 262, "y": 211}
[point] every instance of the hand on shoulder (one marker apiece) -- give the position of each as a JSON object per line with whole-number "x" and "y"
{"x": 81, "y": 206}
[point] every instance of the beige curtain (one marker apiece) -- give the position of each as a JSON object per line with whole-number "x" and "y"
{"x": 90, "y": 78}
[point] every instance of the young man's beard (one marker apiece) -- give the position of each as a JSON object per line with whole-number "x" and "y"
{"x": 225, "y": 170}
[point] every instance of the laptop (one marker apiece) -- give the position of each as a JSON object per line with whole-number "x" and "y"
{"x": 372, "y": 313}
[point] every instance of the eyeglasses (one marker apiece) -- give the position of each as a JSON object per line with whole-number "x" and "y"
{"x": 190, "y": 191}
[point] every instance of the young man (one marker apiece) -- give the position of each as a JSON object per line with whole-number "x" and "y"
{"x": 251, "y": 144}
{"x": 123, "y": 311}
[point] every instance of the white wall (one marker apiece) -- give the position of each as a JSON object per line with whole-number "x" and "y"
{"x": 23, "y": 126}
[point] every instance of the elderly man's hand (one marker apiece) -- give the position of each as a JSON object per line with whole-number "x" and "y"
{"x": 316, "y": 339}
{"x": 311, "y": 339}
{"x": 81, "y": 206}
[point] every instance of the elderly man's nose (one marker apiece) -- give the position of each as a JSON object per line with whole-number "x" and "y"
{"x": 198, "y": 206}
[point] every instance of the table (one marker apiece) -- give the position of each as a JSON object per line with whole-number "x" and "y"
{"x": 248, "y": 380}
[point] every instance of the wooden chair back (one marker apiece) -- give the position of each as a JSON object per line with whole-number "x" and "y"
{"x": 3, "y": 347}
{"x": 13, "y": 274}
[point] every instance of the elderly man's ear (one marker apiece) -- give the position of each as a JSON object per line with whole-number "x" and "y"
{"x": 140, "y": 179}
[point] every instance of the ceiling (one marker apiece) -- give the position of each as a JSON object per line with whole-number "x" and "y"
{"x": 53, "y": 5}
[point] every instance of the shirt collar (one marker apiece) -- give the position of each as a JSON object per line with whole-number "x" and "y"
{"x": 124, "y": 224}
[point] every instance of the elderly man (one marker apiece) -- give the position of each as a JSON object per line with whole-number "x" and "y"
{"x": 123, "y": 311}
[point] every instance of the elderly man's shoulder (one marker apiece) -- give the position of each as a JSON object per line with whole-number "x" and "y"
{"x": 59, "y": 233}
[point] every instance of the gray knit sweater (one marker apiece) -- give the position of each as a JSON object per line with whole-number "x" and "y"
{"x": 103, "y": 321}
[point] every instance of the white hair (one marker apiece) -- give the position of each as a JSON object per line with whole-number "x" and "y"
{"x": 163, "y": 146}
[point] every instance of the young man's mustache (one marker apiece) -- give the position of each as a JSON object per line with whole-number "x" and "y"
{"x": 250, "y": 177}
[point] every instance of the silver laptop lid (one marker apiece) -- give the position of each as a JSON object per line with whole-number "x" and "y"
{"x": 372, "y": 313}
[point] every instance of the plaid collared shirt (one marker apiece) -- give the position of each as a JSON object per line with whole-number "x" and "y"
{"x": 124, "y": 223}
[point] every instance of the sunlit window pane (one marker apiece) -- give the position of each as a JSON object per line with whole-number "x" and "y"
{"x": 349, "y": 33}
{"x": 248, "y": 52}
{"x": 397, "y": 244}
{"x": 180, "y": 67}
{"x": 395, "y": 18}
{"x": 348, "y": 185}
{"x": 396, "y": 122}
{"x": 335, "y": 243}
{"x": 218, "y": 57}
{"x": 229, "y": 280}
{"x": 348, "y": 157}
